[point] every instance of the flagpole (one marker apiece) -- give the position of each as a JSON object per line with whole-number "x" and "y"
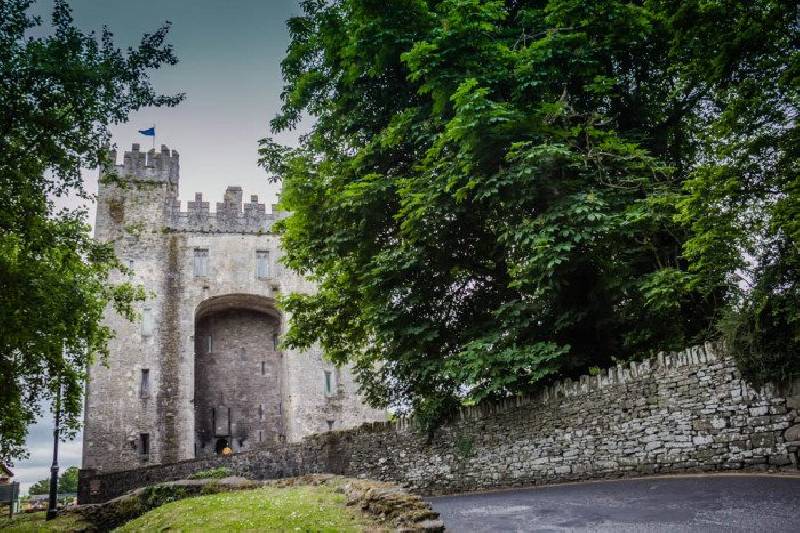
{"x": 154, "y": 135}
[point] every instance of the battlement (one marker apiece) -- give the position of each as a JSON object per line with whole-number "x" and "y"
{"x": 231, "y": 216}
{"x": 161, "y": 166}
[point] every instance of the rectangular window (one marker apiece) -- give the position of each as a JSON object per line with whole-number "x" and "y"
{"x": 130, "y": 264}
{"x": 263, "y": 368}
{"x": 261, "y": 412}
{"x": 275, "y": 341}
{"x": 328, "y": 383}
{"x": 262, "y": 264}
{"x": 144, "y": 383}
{"x": 259, "y": 435}
{"x": 148, "y": 323}
{"x": 200, "y": 262}
{"x": 209, "y": 344}
{"x": 144, "y": 444}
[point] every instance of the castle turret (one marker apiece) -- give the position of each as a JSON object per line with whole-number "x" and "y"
{"x": 160, "y": 166}
{"x": 149, "y": 181}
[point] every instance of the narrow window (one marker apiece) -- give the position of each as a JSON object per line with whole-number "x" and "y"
{"x": 200, "y": 262}
{"x": 130, "y": 264}
{"x": 144, "y": 383}
{"x": 330, "y": 424}
{"x": 147, "y": 322}
{"x": 144, "y": 444}
{"x": 209, "y": 343}
{"x": 259, "y": 435}
{"x": 328, "y": 383}
{"x": 262, "y": 264}
{"x": 275, "y": 341}
{"x": 261, "y": 412}
{"x": 263, "y": 368}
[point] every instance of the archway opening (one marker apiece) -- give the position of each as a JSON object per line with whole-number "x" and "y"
{"x": 238, "y": 371}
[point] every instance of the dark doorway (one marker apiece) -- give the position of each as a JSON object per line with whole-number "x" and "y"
{"x": 221, "y": 445}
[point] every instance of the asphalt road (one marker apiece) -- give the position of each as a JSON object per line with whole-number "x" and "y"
{"x": 767, "y": 504}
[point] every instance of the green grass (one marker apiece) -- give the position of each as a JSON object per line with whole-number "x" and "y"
{"x": 303, "y": 508}
{"x": 29, "y": 522}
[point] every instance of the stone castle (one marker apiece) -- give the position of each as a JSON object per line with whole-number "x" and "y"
{"x": 202, "y": 369}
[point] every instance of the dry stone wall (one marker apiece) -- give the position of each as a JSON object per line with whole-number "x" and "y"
{"x": 684, "y": 412}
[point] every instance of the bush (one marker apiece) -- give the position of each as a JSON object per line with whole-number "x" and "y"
{"x": 212, "y": 473}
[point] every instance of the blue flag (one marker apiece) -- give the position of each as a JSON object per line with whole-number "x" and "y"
{"x": 149, "y": 131}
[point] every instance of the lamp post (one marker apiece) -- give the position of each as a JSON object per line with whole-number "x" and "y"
{"x": 52, "y": 508}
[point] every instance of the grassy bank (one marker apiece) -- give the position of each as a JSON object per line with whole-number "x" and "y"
{"x": 304, "y": 508}
{"x": 35, "y": 522}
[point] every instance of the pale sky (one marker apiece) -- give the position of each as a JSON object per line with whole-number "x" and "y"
{"x": 229, "y": 55}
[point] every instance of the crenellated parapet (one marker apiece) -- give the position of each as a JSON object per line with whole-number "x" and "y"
{"x": 232, "y": 215}
{"x": 162, "y": 166}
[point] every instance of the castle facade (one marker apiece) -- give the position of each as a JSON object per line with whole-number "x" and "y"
{"x": 202, "y": 370}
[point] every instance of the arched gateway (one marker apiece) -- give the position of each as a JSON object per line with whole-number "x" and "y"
{"x": 200, "y": 372}
{"x": 238, "y": 374}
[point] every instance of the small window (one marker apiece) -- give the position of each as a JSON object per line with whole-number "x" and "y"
{"x": 200, "y": 262}
{"x": 259, "y": 435}
{"x": 275, "y": 341}
{"x": 148, "y": 323}
{"x": 261, "y": 412}
{"x": 144, "y": 444}
{"x": 130, "y": 264}
{"x": 262, "y": 264}
{"x": 328, "y": 382}
{"x": 144, "y": 383}
{"x": 330, "y": 424}
{"x": 209, "y": 344}
{"x": 263, "y": 368}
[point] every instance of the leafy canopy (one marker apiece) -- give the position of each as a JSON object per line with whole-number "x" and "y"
{"x": 58, "y": 94}
{"x": 67, "y": 483}
{"x": 496, "y": 193}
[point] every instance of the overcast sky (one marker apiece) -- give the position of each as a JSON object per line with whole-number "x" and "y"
{"x": 229, "y": 53}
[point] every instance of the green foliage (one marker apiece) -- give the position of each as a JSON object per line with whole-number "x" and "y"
{"x": 59, "y": 93}
{"x": 157, "y": 495}
{"x": 212, "y": 473}
{"x": 40, "y": 487}
{"x": 68, "y": 481}
{"x": 464, "y": 446}
{"x": 496, "y": 193}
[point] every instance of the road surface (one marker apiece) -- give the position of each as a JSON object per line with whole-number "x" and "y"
{"x": 766, "y": 503}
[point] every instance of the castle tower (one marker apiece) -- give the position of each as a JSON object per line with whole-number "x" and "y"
{"x": 201, "y": 368}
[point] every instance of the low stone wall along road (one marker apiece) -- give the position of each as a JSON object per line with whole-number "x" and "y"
{"x": 694, "y": 503}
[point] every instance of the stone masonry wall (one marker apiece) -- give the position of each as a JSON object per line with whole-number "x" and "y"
{"x": 685, "y": 412}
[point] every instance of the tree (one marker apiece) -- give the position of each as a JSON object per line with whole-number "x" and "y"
{"x": 498, "y": 193}
{"x": 40, "y": 487}
{"x": 58, "y": 93}
{"x": 68, "y": 481}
